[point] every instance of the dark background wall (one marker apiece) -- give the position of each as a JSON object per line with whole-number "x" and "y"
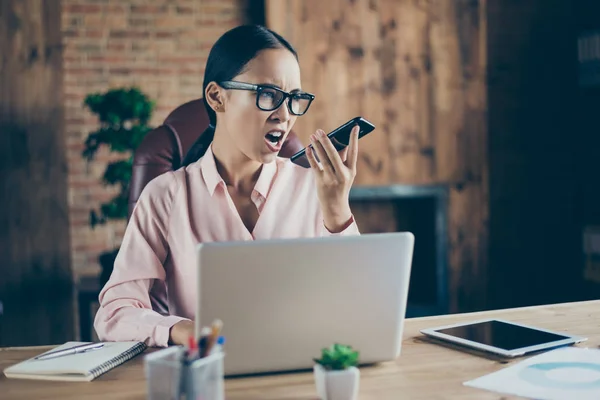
{"x": 587, "y": 120}
{"x": 535, "y": 232}
{"x": 587, "y": 136}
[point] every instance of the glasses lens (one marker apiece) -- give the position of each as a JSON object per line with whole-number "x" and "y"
{"x": 299, "y": 104}
{"x": 269, "y": 99}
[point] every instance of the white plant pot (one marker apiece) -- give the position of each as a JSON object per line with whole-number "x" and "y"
{"x": 337, "y": 385}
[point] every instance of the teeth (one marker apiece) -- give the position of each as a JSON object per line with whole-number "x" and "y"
{"x": 275, "y": 134}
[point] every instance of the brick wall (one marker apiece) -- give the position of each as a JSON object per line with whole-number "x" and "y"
{"x": 160, "y": 46}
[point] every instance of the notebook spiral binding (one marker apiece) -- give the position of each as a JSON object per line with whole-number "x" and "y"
{"x": 110, "y": 364}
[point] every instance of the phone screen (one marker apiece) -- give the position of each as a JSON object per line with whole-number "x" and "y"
{"x": 341, "y": 139}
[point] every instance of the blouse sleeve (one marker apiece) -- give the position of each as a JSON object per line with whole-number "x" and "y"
{"x": 349, "y": 229}
{"x": 125, "y": 312}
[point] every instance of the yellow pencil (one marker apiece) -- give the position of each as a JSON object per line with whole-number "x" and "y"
{"x": 216, "y": 327}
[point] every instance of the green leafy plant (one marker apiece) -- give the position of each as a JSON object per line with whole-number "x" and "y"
{"x": 123, "y": 114}
{"x": 338, "y": 357}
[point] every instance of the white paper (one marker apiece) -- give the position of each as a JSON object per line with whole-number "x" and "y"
{"x": 566, "y": 373}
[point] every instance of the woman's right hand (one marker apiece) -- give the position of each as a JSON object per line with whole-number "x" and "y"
{"x": 180, "y": 333}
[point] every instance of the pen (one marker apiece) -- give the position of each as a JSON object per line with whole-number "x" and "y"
{"x": 71, "y": 350}
{"x": 218, "y": 346}
{"x": 216, "y": 327}
{"x": 192, "y": 350}
{"x": 203, "y": 339}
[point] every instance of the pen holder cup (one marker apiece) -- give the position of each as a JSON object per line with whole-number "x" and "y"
{"x": 168, "y": 376}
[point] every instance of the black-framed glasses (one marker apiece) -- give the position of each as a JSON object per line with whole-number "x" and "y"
{"x": 269, "y": 98}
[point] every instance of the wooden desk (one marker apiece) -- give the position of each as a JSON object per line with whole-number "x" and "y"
{"x": 423, "y": 371}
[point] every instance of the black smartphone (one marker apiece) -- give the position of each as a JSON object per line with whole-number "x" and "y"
{"x": 340, "y": 138}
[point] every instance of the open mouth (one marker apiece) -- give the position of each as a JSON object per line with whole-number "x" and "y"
{"x": 274, "y": 139}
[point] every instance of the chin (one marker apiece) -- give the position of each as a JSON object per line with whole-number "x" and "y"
{"x": 267, "y": 158}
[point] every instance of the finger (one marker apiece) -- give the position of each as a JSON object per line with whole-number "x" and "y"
{"x": 322, "y": 154}
{"x": 344, "y": 154}
{"x": 332, "y": 153}
{"x": 314, "y": 164}
{"x": 353, "y": 149}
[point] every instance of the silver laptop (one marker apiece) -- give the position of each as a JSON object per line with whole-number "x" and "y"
{"x": 281, "y": 301}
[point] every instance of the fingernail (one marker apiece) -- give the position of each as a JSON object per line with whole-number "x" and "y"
{"x": 313, "y": 138}
{"x": 320, "y": 133}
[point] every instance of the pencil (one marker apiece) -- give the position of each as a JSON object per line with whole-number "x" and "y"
{"x": 216, "y": 326}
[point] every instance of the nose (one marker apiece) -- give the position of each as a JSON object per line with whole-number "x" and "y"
{"x": 282, "y": 114}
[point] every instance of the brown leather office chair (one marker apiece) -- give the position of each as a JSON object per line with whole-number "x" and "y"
{"x": 165, "y": 147}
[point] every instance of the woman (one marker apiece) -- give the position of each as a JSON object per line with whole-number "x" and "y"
{"x": 238, "y": 190}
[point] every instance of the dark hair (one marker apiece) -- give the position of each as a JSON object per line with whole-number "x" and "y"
{"x": 227, "y": 59}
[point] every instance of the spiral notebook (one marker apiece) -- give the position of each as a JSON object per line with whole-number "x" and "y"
{"x": 77, "y": 367}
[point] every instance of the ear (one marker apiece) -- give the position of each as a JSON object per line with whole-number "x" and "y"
{"x": 215, "y": 96}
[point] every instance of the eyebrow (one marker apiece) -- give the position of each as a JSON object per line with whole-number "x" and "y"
{"x": 279, "y": 87}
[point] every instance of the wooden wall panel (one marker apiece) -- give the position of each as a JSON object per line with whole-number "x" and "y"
{"x": 417, "y": 69}
{"x": 339, "y": 60}
{"x": 36, "y": 288}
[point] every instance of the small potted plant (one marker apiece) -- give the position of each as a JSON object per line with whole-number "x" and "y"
{"x": 336, "y": 373}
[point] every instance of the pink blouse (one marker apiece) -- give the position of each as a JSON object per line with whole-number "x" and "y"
{"x": 175, "y": 212}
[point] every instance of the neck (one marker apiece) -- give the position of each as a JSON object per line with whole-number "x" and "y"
{"x": 235, "y": 168}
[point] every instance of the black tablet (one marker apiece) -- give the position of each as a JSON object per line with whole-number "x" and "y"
{"x": 501, "y": 337}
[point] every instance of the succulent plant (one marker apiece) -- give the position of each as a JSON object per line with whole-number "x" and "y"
{"x": 338, "y": 357}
